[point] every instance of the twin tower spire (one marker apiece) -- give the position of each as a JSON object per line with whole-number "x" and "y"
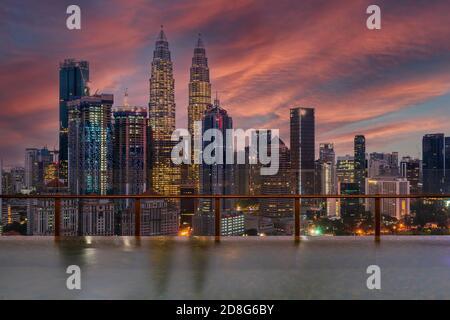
{"x": 165, "y": 177}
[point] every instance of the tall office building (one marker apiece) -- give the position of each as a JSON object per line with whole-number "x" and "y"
{"x": 199, "y": 101}
{"x": 90, "y": 144}
{"x": 216, "y": 178}
{"x": 411, "y": 169}
{"x": 187, "y": 205}
{"x": 164, "y": 176}
{"x": 31, "y": 155}
{"x": 360, "y": 162}
{"x": 37, "y": 165}
{"x": 129, "y": 149}
{"x": 433, "y": 165}
{"x": 326, "y": 176}
{"x": 73, "y": 82}
{"x": 327, "y": 160}
{"x": 345, "y": 169}
{"x": 279, "y": 183}
{"x": 302, "y": 149}
{"x": 447, "y": 165}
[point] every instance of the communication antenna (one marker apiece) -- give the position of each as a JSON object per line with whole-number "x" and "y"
{"x": 125, "y": 98}
{"x": 216, "y": 100}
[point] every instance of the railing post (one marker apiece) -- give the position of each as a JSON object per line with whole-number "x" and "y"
{"x": 217, "y": 218}
{"x": 57, "y": 217}
{"x": 137, "y": 217}
{"x": 377, "y": 219}
{"x": 297, "y": 219}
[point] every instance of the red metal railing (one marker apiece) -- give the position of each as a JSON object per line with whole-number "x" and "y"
{"x": 217, "y": 198}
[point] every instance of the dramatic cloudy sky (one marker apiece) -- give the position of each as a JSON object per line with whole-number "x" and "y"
{"x": 265, "y": 56}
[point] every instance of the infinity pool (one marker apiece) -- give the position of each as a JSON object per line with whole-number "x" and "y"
{"x": 235, "y": 268}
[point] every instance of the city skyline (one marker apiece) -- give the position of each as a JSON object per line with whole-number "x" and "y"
{"x": 261, "y": 67}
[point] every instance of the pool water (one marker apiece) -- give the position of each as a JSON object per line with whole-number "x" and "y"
{"x": 235, "y": 268}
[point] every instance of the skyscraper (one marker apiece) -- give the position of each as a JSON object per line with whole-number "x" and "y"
{"x": 129, "y": 149}
{"x": 411, "y": 169}
{"x": 303, "y": 149}
{"x": 73, "y": 82}
{"x": 447, "y": 165}
{"x": 216, "y": 178}
{"x": 279, "y": 183}
{"x": 327, "y": 160}
{"x": 326, "y": 176}
{"x": 37, "y": 162}
{"x": 345, "y": 169}
{"x": 433, "y": 157}
{"x": 199, "y": 101}
{"x": 360, "y": 162}
{"x": 164, "y": 176}
{"x": 90, "y": 144}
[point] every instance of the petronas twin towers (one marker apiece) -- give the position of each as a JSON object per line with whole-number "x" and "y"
{"x": 165, "y": 177}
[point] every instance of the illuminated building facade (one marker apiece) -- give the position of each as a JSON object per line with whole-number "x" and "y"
{"x": 90, "y": 144}
{"x": 199, "y": 101}
{"x": 73, "y": 82}
{"x": 345, "y": 169}
{"x": 327, "y": 159}
{"x": 214, "y": 178}
{"x": 232, "y": 224}
{"x": 159, "y": 217}
{"x": 326, "y": 176}
{"x": 397, "y": 207}
{"x": 129, "y": 150}
{"x": 97, "y": 217}
{"x": 279, "y": 183}
{"x": 164, "y": 176}
{"x": 411, "y": 169}
{"x": 43, "y": 212}
{"x": 360, "y": 162}
{"x": 39, "y": 164}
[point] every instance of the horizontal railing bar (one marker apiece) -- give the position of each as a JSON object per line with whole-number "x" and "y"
{"x": 229, "y": 196}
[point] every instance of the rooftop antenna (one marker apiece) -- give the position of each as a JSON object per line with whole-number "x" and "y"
{"x": 125, "y": 98}
{"x": 199, "y": 41}
{"x": 216, "y": 100}
{"x": 162, "y": 36}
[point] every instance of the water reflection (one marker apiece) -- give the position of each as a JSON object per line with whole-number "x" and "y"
{"x": 161, "y": 255}
{"x": 74, "y": 250}
{"x": 200, "y": 259}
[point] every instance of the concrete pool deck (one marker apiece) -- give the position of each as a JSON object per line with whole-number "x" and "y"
{"x": 412, "y": 267}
